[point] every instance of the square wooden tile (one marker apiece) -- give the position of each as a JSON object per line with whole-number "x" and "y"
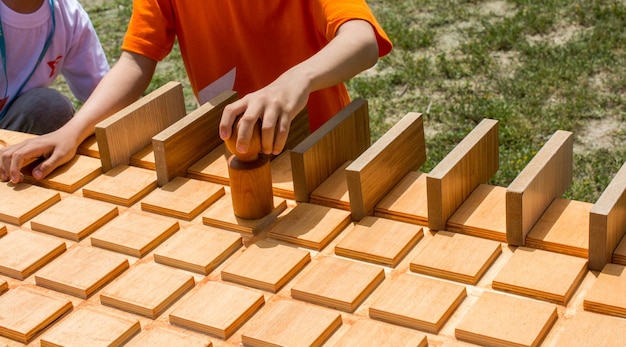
{"x": 144, "y": 158}
{"x": 365, "y": 332}
{"x": 198, "y": 249}
{"x": 123, "y": 185}
{"x": 166, "y": 337}
{"x": 24, "y": 252}
{"x": 541, "y": 274}
{"x": 4, "y": 286}
{"x": 310, "y": 225}
{"x": 590, "y": 329}
{"x": 74, "y": 218}
{"x": 290, "y": 323}
{"x": 221, "y": 215}
{"x": 619, "y": 255}
{"x": 21, "y": 202}
{"x": 217, "y": 309}
{"x": 379, "y": 240}
{"x": 482, "y": 214}
{"x": 607, "y": 294}
{"x": 182, "y": 197}
{"x": 68, "y": 177}
{"x": 91, "y": 327}
{"x": 282, "y": 178}
{"x": 147, "y": 289}
{"x": 26, "y": 312}
{"x": 417, "y": 302}
{"x": 213, "y": 167}
{"x": 134, "y": 233}
{"x": 89, "y": 147}
{"x": 81, "y": 271}
{"x": 266, "y": 265}
{"x": 506, "y": 320}
{"x": 333, "y": 192}
{"x": 407, "y": 201}
{"x": 455, "y": 256}
{"x": 3, "y": 229}
{"x": 338, "y": 283}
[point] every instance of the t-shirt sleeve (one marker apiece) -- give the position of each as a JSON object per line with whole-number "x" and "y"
{"x": 151, "y": 29}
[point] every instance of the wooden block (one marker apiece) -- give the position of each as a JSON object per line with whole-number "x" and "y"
{"x": 265, "y": 265}
{"x": 344, "y": 137}
{"x": 407, "y": 201}
{"x": 182, "y": 197}
{"x": 619, "y": 256}
{"x": 21, "y": 202}
{"x": 213, "y": 167}
{"x": 365, "y": 332}
{"x": 91, "y": 327}
{"x": 503, "y": 320}
{"x": 588, "y": 329}
{"x": 455, "y": 257}
{"x": 282, "y": 180}
{"x": 472, "y": 162}
{"x": 546, "y": 177}
{"x": 541, "y": 274}
{"x": 333, "y": 192}
{"x": 144, "y": 158}
{"x": 66, "y": 220}
{"x": 290, "y": 323}
{"x": 310, "y": 225}
{"x": 25, "y": 252}
{"x": 69, "y": 176}
{"x": 166, "y": 337}
{"x": 3, "y": 229}
{"x": 563, "y": 228}
{"x": 89, "y": 147}
{"x": 81, "y": 271}
{"x": 132, "y": 128}
{"x": 31, "y": 312}
{"x": 338, "y": 283}
{"x": 147, "y": 289}
{"x": 217, "y": 309}
{"x": 134, "y": 233}
{"x": 607, "y": 294}
{"x": 221, "y": 215}
{"x": 375, "y": 172}
{"x": 123, "y": 185}
{"x": 186, "y": 141}
{"x": 4, "y": 286}
{"x": 482, "y": 214}
{"x": 607, "y": 222}
{"x": 417, "y": 302}
{"x": 379, "y": 240}
{"x": 198, "y": 249}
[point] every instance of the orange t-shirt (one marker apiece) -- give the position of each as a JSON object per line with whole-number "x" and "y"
{"x": 258, "y": 40}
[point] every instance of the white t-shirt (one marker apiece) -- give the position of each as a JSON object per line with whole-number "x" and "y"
{"x": 74, "y": 51}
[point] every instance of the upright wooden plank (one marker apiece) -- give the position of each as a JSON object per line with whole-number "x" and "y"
{"x": 375, "y": 172}
{"x": 547, "y": 176}
{"x": 607, "y": 221}
{"x": 132, "y": 128}
{"x": 472, "y": 162}
{"x": 342, "y": 138}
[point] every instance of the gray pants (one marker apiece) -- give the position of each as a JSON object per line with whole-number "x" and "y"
{"x": 38, "y": 111}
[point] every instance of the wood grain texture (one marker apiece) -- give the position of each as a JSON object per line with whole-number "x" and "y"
{"x": 221, "y": 215}
{"x": 123, "y": 185}
{"x": 472, "y": 162}
{"x": 21, "y": 202}
{"x": 68, "y": 177}
{"x": 482, "y": 214}
{"x": 161, "y": 336}
{"x": 333, "y": 192}
{"x": 587, "y": 329}
{"x": 407, "y": 201}
{"x": 546, "y": 177}
{"x": 619, "y": 255}
{"x": 607, "y": 294}
{"x": 213, "y": 167}
{"x": 24, "y": 252}
{"x": 144, "y": 158}
{"x": 372, "y": 333}
{"x": 89, "y": 147}
{"x": 282, "y": 180}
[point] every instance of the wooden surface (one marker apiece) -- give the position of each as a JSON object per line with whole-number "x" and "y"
{"x": 607, "y": 294}
{"x": 482, "y": 214}
{"x": 166, "y": 337}
{"x": 221, "y": 215}
{"x": 213, "y": 167}
{"x": 588, "y": 329}
{"x": 21, "y": 202}
{"x": 407, "y": 201}
{"x": 123, "y": 185}
{"x": 371, "y": 333}
{"x": 89, "y": 147}
{"x": 282, "y": 180}
{"x": 333, "y": 192}
{"x": 144, "y": 158}
{"x": 24, "y": 252}
{"x": 68, "y": 177}
{"x": 251, "y": 186}
{"x": 619, "y": 256}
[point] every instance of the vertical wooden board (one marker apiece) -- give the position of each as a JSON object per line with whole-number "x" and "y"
{"x": 589, "y": 329}
{"x": 344, "y": 137}
{"x": 546, "y": 177}
{"x": 21, "y": 202}
{"x": 132, "y": 128}
{"x": 166, "y": 337}
{"x": 472, "y": 162}
{"x": 221, "y": 215}
{"x": 482, "y": 214}
{"x": 607, "y": 294}
{"x": 299, "y": 129}
{"x": 123, "y": 185}
{"x": 213, "y": 167}
{"x": 69, "y": 176}
{"x": 24, "y": 252}
{"x": 407, "y": 201}
{"x": 376, "y": 171}
{"x": 365, "y": 332}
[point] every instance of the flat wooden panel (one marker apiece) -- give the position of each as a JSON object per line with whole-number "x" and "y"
{"x": 482, "y": 214}
{"x": 546, "y": 177}
{"x": 619, "y": 256}
{"x": 381, "y": 166}
{"x": 371, "y": 333}
{"x": 3, "y": 229}
{"x": 472, "y": 162}
{"x": 221, "y": 215}
{"x": 89, "y": 147}
{"x": 282, "y": 180}
{"x": 183, "y": 143}
{"x": 589, "y": 329}
{"x": 69, "y": 176}
{"x": 333, "y": 192}
{"x": 10, "y": 137}
{"x": 166, "y": 337}
{"x": 24, "y": 252}
{"x": 4, "y": 286}
{"x": 213, "y": 167}
{"x": 123, "y": 185}
{"x": 407, "y": 201}
{"x": 21, "y": 202}
{"x": 607, "y": 294}
{"x": 132, "y": 128}
{"x": 344, "y": 137}
{"x": 144, "y": 158}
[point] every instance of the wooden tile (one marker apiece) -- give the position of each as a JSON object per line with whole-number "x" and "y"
{"x": 69, "y": 176}
{"x": 198, "y": 249}
{"x": 589, "y": 329}
{"x": 31, "y": 312}
{"x": 81, "y": 271}
{"x": 541, "y": 274}
{"x": 619, "y": 256}
{"x": 166, "y": 337}
{"x": 290, "y": 323}
{"x": 607, "y": 294}
{"x": 123, "y": 185}
{"x": 407, "y": 201}
{"x": 310, "y": 225}
{"x": 74, "y": 218}
{"x": 21, "y": 202}
{"x": 10, "y": 137}
{"x": 379, "y": 240}
{"x": 333, "y": 192}
{"x": 455, "y": 257}
{"x": 217, "y": 309}
{"x": 3, "y": 229}
{"x": 182, "y": 197}
{"x": 213, "y": 167}
{"x": 134, "y": 233}
{"x": 282, "y": 179}
{"x": 563, "y": 228}
{"x": 417, "y": 302}
{"x": 482, "y": 214}
{"x": 89, "y": 147}
{"x": 144, "y": 158}
{"x": 221, "y": 215}
{"x": 24, "y": 252}
{"x": 4, "y": 286}
{"x": 147, "y": 289}
{"x": 504, "y": 320}
{"x": 365, "y": 332}
{"x": 338, "y": 283}
{"x": 91, "y": 327}
{"x": 266, "y": 265}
